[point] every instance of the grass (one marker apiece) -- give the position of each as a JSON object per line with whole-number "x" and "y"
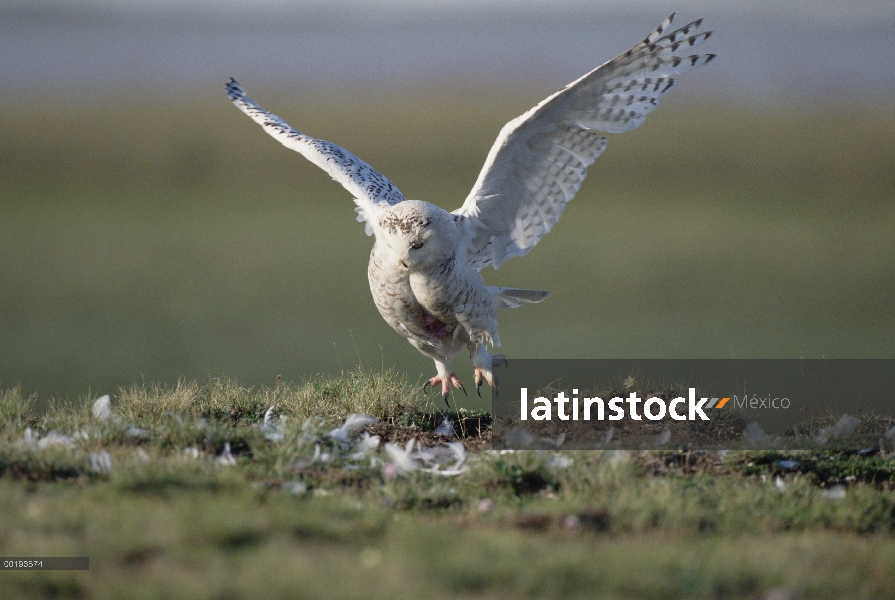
{"x": 154, "y": 242}
{"x": 302, "y": 514}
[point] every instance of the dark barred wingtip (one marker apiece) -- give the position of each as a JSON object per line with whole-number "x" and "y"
{"x": 233, "y": 89}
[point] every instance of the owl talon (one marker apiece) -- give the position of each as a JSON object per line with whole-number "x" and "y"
{"x": 445, "y": 383}
{"x": 481, "y": 375}
{"x": 458, "y": 384}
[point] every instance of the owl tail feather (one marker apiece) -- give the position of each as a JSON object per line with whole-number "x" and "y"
{"x": 515, "y": 297}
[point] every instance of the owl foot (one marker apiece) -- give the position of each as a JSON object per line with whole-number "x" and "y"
{"x": 488, "y": 376}
{"x": 485, "y": 364}
{"x": 445, "y": 386}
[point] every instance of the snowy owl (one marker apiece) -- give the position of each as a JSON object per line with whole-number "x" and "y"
{"x": 425, "y": 263}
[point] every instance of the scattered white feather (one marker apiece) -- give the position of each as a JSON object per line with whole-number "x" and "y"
{"x": 272, "y": 428}
{"x": 837, "y": 492}
{"x": 226, "y": 458}
{"x": 352, "y": 424}
{"x": 30, "y": 440}
{"x": 365, "y": 444}
{"x": 663, "y": 437}
{"x": 400, "y": 457}
{"x": 446, "y": 429}
{"x": 890, "y": 438}
{"x": 102, "y": 408}
{"x": 306, "y": 461}
{"x": 571, "y": 523}
{"x": 191, "y": 452}
{"x": 55, "y": 438}
{"x": 299, "y": 488}
{"x": 619, "y": 457}
{"x": 608, "y": 437}
{"x": 521, "y": 439}
{"x": 441, "y": 455}
{"x": 756, "y": 436}
{"x": 779, "y": 484}
{"x": 559, "y": 461}
{"x": 101, "y": 462}
{"x": 842, "y": 427}
{"x": 390, "y": 471}
{"x": 368, "y": 442}
{"x": 426, "y": 459}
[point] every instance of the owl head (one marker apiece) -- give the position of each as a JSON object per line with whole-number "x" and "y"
{"x": 418, "y": 235}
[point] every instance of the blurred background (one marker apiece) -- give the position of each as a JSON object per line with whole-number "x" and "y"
{"x": 149, "y": 231}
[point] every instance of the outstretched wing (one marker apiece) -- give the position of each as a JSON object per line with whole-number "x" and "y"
{"x": 539, "y": 160}
{"x": 369, "y": 187}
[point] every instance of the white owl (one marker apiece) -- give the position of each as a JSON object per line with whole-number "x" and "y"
{"x": 424, "y": 267}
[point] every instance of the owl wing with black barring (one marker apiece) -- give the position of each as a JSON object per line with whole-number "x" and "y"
{"x": 540, "y": 159}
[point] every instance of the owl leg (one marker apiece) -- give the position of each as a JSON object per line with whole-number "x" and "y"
{"x": 445, "y": 372}
{"x": 484, "y": 363}
{"x": 445, "y": 385}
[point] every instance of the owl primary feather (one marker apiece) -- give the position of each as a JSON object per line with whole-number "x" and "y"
{"x": 425, "y": 265}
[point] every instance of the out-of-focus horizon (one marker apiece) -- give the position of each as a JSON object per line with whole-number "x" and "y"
{"x": 769, "y": 51}
{"x": 150, "y": 232}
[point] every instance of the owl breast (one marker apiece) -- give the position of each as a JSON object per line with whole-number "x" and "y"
{"x": 454, "y": 293}
{"x": 395, "y": 299}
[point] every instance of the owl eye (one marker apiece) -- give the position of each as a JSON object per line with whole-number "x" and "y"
{"x": 416, "y": 245}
